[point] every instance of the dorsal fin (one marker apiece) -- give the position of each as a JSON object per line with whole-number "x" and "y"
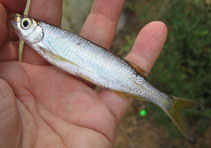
{"x": 139, "y": 69}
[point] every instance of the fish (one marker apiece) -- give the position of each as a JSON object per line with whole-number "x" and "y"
{"x": 80, "y": 57}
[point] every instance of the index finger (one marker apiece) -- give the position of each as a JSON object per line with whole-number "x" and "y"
{"x": 101, "y": 23}
{"x": 47, "y": 10}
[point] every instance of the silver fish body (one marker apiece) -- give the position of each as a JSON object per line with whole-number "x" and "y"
{"x": 88, "y": 60}
{"x": 81, "y": 57}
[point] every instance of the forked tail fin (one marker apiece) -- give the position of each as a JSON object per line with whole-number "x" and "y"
{"x": 175, "y": 113}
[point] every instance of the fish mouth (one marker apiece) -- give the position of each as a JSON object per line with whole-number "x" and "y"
{"x": 14, "y": 19}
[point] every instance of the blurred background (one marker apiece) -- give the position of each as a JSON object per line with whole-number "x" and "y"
{"x": 183, "y": 69}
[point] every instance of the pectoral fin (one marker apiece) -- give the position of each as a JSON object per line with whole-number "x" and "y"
{"x": 61, "y": 58}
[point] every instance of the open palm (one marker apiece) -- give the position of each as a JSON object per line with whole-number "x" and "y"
{"x": 41, "y": 106}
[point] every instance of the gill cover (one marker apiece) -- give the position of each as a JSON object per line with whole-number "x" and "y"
{"x": 28, "y": 29}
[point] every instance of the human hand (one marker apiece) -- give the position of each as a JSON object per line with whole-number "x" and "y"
{"x": 45, "y": 107}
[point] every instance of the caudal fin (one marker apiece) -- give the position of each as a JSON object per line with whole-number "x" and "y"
{"x": 175, "y": 113}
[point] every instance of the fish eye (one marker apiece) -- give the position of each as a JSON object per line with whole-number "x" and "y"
{"x": 26, "y": 23}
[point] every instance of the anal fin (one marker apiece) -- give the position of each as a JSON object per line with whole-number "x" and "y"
{"x": 125, "y": 95}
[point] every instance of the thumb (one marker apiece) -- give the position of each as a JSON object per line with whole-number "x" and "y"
{"x": 10, "y": 126}
{"x": 3, "y": 24}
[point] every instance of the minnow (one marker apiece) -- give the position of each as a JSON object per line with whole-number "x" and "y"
{"x": 81, "y": 57}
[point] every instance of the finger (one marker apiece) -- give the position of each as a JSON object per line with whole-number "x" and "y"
{"x": 11, "y": 35}
{"x": 50, "y": 11}
{"x": 145, "y": 51}
{"x": 9, "y": 52}
{"x": 148, "y": 45}
{"x": 10, "y": 127}
{"x": 101, "y": 23}
{"x": 3, "y": 25}
{"x": 14, "y": 5}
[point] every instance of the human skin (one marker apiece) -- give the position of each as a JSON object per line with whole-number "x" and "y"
{"x": 41, "y": 106}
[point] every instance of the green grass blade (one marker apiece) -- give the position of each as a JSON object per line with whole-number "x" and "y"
{"x": 21, "y": 44}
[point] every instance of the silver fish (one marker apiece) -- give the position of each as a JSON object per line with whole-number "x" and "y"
{"x": 81, "y": 57}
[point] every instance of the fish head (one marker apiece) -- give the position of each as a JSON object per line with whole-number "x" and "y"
{"x": 27, "y": 28}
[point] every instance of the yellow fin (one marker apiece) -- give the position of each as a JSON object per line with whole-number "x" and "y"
{"x": 175, "y": 113}
{"x": 65, "y": 60}
{"x": 125, "y": 95}
{"x": 139, "y": 69}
